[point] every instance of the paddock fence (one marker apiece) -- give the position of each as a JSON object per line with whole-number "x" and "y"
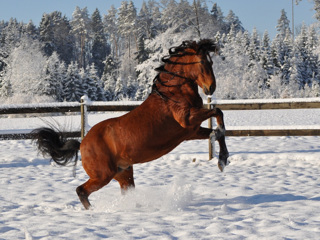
{"x": 85, "y": 107}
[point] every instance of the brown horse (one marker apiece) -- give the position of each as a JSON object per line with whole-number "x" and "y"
{"x": 171, "y": 114}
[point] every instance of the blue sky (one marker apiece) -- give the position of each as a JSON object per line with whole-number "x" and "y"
{"x": 262, "y": 14}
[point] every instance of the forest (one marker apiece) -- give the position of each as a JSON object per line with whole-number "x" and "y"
{"x": 112, "y": 56}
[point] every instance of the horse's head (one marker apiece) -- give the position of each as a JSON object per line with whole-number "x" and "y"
{"x": 191, "y": 60}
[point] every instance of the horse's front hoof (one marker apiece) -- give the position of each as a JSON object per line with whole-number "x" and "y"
{"x": 222, "y": 164}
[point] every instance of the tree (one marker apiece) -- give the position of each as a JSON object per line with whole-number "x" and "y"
{"x": 63, "y": 39}
{"x": 169, "y": 14}
{"x": 127, "y": 29}
{"x": 317, "y": 9}
{"x": 81, "y": 28}
{"x": 283, "y": 24}
{"x": 142, "y": 53}
{"x": 156, "y": 24}
{"x": 52, "y": 84}
{"x": 5, "y": 85}
{"x": 73, "y": 90}
{"x": 55, "y": 33}
{"x": 46, "y": 33}
{"x": 92, "y": 84}
{"x": 232, "y": 20}
{"x": 26, "y": 64}
{"x": 254, "y": 46}
{"x": 305, "y": 64}
{"x": 144, "y": 22}
{"x": 282, "y": 54}
{"x": 265, "y": 55}
{"x": 111, "y": 28}
{"x": 109, "y": 77}
{"x": 217, "y": 19}
{"x": 31, "y": 30}
{"x": 100, "y": 48}
{"x": 11, "y": 35}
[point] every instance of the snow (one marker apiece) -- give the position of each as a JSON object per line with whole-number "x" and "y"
{"x": 271, "y": 189}
{"x": 260, "y": 101}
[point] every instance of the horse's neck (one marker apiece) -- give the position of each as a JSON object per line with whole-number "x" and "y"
{"x": 178, "y": 91}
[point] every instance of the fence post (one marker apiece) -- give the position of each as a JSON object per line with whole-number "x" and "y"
{"x": 211, "y": 144}
{"x": 84, "y": 119}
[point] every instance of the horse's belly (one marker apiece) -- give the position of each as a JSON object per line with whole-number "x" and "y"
{"x": 149, "y": 148}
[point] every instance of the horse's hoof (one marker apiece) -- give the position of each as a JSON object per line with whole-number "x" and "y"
{"x": 222, "y": 164}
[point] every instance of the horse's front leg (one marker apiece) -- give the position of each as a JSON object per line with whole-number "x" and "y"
{"x": 194, "y": 117}
{"x": 199, "y": 115}
{"x": 219, "y": 135}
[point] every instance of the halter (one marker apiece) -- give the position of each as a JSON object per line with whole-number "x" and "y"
{"x": 161, "y": 69}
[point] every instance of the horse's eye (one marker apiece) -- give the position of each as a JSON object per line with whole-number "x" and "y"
{"x": 202, "y": 62}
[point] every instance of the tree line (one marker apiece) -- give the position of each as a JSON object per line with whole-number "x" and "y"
{"x": 112, "y": 56}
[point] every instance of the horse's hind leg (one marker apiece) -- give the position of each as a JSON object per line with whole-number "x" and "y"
{"x": 125, "y": 179}
{"x": 89, "y": 187}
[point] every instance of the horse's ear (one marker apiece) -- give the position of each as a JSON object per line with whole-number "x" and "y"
{"x": 207, "y": 45}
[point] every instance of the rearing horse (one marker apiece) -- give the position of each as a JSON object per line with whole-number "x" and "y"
{"x": 171, "y": 114}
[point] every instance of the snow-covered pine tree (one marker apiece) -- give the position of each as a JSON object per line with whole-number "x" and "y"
{"x": 128, "y": 29}
{"x": 63, "y": 41}
{"x": 72, "y": 85}
{"x": 85, "y": 83}
{"x": 109, "y": 78}
{"x": 111, "y": 28}
{"x": 232, "y": 19}
{"x": 10, "y": 35}
{"x": 142, "y": 53}
{"x": 93, "y": 84}
{"x": 254, "y": 46}
{"x": 316, "y": 7}
{"x": 168, "y": 18}
{"x": 265, "y": 55}
{"x": 46, "y": 34}
{"x": 81, "y": 29}
{"x": 218, "y": 19}
{"x": 31, "y": 30}
{"x": 314, "y": 62}
{"x": 120, "y": 89}
{"x": 144, "y": 21}
{"x": 100, "y": 48}
{"x": 156, "y": 24}
{"x": 306, "y": 61}
{"x": 283, "y": 25}
{"x": 52, "y": 84}
{"x": 5, "y": 85}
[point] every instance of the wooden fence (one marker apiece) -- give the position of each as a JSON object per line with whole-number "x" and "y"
{"x": 84, "y": 108}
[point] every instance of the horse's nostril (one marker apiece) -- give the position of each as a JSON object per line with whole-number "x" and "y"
{"x": 212, "y": 89}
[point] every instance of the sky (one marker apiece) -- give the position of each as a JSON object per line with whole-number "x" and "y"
{"x": 260, "y": 14}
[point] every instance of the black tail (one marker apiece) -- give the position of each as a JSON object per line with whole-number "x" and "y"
{"x": 54, "y": 144}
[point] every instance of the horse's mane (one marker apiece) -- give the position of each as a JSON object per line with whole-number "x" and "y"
{"x": 204, "y": 45}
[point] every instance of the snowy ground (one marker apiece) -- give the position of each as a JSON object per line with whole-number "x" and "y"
{"x": 271, "y": 189}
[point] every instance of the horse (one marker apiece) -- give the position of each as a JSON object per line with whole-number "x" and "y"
{"x": 172, "y": 113}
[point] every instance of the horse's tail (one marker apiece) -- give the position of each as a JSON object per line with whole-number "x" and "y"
{"x": 53, "y": 144}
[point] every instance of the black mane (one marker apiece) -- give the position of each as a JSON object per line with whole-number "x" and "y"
{"x": 204, "y": 46}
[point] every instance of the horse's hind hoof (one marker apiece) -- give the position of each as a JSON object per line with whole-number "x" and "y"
{"x": 222, "y": 164}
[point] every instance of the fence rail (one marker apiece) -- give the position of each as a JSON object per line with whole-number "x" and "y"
{"x": 116, "y": 107}
{"x": 223, "y": 105}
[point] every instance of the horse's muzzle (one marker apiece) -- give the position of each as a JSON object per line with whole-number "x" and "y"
{"x": 209, "y": 91}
